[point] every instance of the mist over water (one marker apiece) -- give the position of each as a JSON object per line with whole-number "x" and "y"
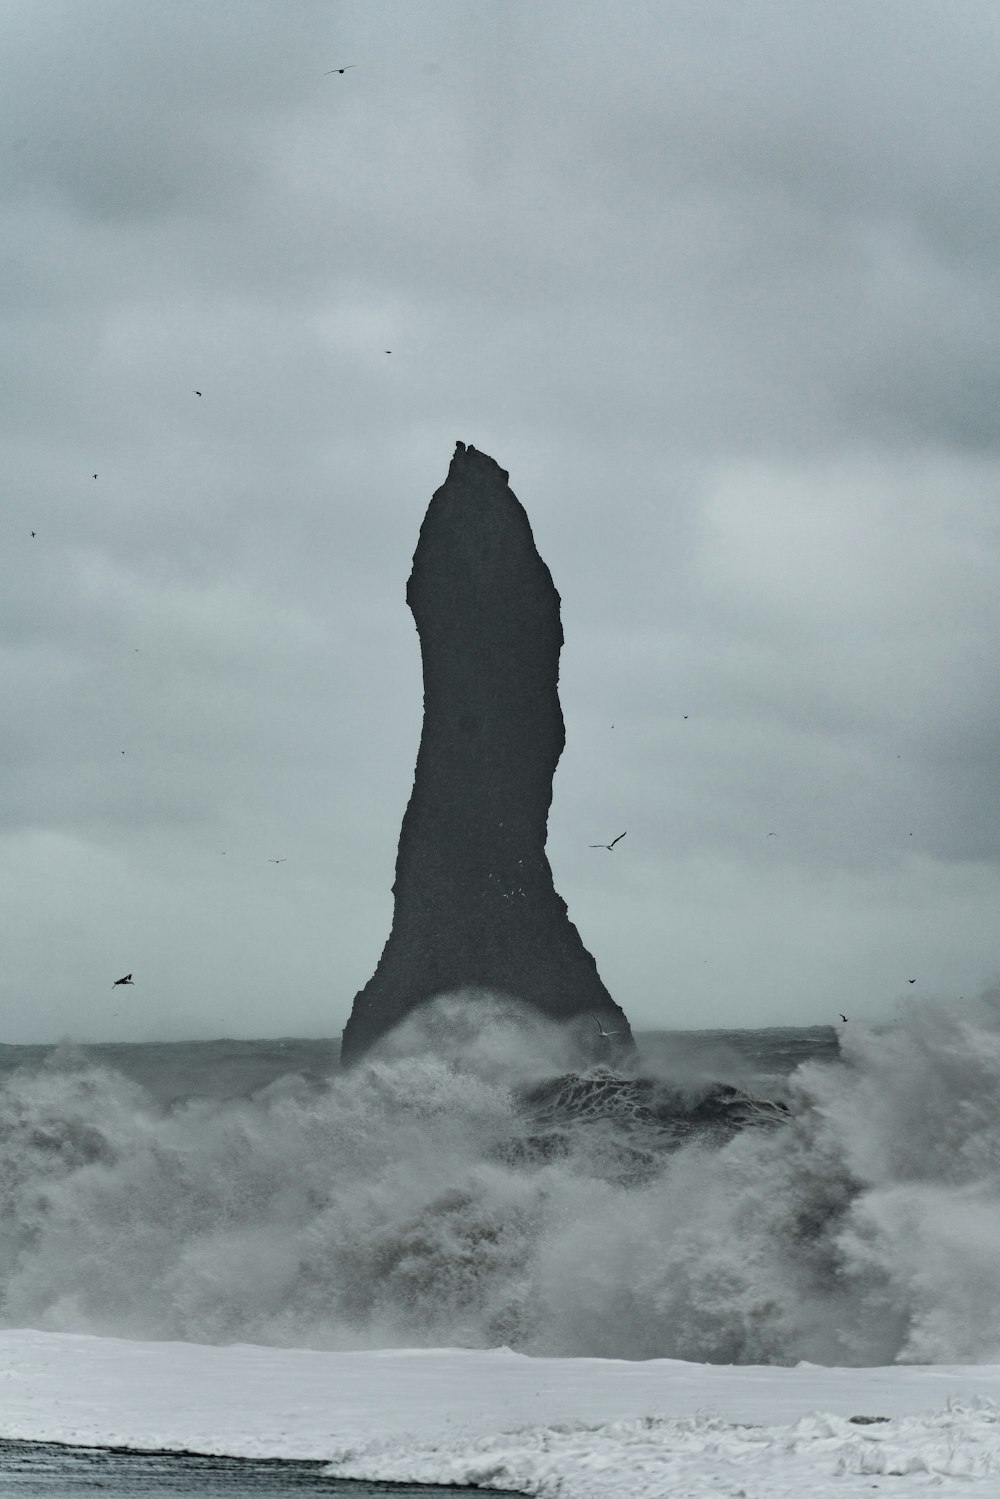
{"x": 418, "y": 1200}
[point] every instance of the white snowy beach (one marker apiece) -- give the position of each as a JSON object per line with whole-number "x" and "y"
{"x": 573, "y": 1428}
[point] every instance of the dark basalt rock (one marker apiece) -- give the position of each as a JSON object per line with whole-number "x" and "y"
{"x": 475, "y": 906}
{"x": 641, "y": 1119}
{"x": 664, "y": 1111}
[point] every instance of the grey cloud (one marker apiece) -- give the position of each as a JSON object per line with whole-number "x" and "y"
{"x": 715, "y": 284}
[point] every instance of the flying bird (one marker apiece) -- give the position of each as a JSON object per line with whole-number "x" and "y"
{"x": 95, "y": 476}
{"x": 606, "y": 1034}
{"x": 339, "y": 70}
{"x": 278, "y": 861}
{"x": 197, "y": 392}
{"x": 911, "y": 981}
{"x": 843, "y": 1017}
{"x": 126, "y": 980}
{"x": 911, "y": 835}
{"x": 608, "y": 846}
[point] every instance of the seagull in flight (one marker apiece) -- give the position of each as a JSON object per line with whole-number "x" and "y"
{"x": 607, "y": 1035}
{"x": 608, "y": 846}
{"x": 279, "y": 861}
{"x": 126, "y": 980}
{"x": 339, "y": 70}
{"x": 843, "y": 1017}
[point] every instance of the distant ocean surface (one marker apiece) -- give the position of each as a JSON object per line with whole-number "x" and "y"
{"x": 173, "y": 1072}
{"x": 733, "y": 1196}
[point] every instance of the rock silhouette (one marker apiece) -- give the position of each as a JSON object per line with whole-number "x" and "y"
{"x": 475, "y": 905}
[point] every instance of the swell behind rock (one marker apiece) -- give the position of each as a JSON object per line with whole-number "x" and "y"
{"x": 475, "y": 905}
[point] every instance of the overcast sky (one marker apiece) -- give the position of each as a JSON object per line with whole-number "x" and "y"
{"x": 718, "y": 284}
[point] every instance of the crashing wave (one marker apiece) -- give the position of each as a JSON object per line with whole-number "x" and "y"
{"x": 473, "y": 1199}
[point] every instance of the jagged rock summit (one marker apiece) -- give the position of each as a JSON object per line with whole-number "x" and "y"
{"x": 475, "y": 906}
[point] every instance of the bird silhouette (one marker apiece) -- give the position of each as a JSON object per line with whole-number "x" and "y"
{"x": 95, "y": 476}
{"x": 843, "y": 1017}
{"x": 278, "y": 861}
{"x": 608, "y": 846}
{"x": 607, "y": 1035}
{"x": 32, "y": 533}
{"x": 126, "y": 980}
{"x": 911, "y": 981}
{"x": 339, "y": 70}
{"x": 197, "y": 392}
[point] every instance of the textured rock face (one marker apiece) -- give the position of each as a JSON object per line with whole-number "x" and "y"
{"x": 475, "y": 906}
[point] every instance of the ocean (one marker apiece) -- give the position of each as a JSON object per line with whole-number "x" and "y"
{"x": 734, "y": 1197}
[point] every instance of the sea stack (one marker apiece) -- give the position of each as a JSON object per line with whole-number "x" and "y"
{"x": 475, "y": 906}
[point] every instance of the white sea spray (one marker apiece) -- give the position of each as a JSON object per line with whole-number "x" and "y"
{"x": 414, "y": 1201}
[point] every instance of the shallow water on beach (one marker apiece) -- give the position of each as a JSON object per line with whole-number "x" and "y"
{"x": 47, "y": 1470}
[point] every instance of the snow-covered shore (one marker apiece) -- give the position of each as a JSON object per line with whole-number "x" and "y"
{"x": 572, "y": 1428}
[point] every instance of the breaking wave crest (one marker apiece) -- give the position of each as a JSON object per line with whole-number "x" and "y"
{"x": 456, "y": 1197}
